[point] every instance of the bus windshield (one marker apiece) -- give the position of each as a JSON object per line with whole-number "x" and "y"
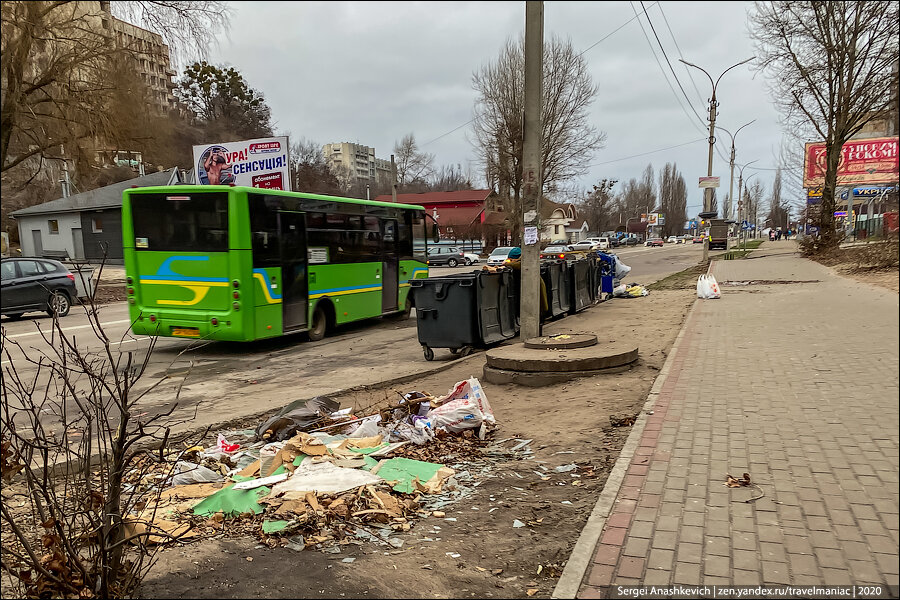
{"x": 196, "y": 222}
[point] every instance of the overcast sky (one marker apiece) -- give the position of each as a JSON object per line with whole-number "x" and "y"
{"x": 370, "y": 72}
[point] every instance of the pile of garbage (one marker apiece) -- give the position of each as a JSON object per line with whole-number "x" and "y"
{"x": 316, "y": 476}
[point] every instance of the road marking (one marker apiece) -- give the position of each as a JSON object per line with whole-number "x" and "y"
{"x": 65, "y": 329}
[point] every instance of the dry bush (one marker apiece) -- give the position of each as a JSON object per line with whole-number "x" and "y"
{"x": 76, "y": 455}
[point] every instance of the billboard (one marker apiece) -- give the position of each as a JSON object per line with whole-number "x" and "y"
{"x": 261, "y": 163}
{"x": 709, "y": 182}
{"x": 870, "y": 161}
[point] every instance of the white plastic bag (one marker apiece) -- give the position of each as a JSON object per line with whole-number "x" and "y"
{"x": 713, "y": 287}
{"x": 620, "y": 291}
{"x": 708, "y": 287}
{"x": 186, "y": 473}
{"x": 464, "y": 407}
{"x": 621, "y": 269}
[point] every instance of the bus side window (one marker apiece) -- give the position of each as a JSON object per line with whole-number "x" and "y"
{"x": 264, "y": 233}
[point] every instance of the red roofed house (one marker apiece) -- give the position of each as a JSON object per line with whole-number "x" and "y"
{"x": 460, "y": 215}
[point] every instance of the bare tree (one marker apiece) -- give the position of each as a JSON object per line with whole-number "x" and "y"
{"x": 832, "y": 67}
{"x": 450, "y": 178}
{"x": 74, "y": 452}
{"x": 672, "y": 199}
{"x": 56, "y": 71}
{"x": 568, "y": 140}
{"x": 778, "y": 209}
{"x": 309, "y": 170}
{"x": 596, "y": 206}
{"x": 188, "y": 27}
{"x": 414, "y": 167}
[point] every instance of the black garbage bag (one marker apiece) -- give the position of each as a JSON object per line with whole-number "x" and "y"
{"x": 299, "y": 415}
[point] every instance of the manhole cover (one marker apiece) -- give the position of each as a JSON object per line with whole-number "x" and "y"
{"x": 562, "y": 341}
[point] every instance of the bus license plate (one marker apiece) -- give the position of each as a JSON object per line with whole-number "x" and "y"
{"x": 193, "y": 332}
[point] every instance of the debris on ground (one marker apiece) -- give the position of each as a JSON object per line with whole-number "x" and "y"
{"x": 315, "y": 476}
{"x": 622, "y": 420}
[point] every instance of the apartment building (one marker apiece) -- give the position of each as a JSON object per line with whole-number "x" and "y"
{"x": 150, "y": 57}
{"x": 356, "y": 164}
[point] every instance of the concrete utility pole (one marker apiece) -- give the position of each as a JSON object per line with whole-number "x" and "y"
{"x": 530, "y": 307}
{"x": 393, "y": 179}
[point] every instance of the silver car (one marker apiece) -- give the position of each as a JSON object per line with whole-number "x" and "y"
{"x": 499, "y": 255}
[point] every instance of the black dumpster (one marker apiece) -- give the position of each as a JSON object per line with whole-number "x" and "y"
{"x": 555, "y": 274}
{"x": 465, "y": 310}
{"x": 580, "y": 283}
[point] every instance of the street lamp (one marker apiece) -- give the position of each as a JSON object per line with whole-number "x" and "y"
{"x": 727, "y": 212}
{"x": 707, "y": 193}
{"x": 742, "y": 216}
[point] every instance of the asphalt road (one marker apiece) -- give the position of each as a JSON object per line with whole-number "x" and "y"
{"x": 228, "y": 380}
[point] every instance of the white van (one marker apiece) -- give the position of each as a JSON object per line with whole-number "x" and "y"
{"x": 600, "y": 243}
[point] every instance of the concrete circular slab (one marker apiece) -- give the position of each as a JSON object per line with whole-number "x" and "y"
{"x": 517, "y": 357}
{"x": 562, "y": 341}
{"x": 541, "y": 379}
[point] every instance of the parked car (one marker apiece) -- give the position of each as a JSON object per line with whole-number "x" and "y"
{"x": 559, "y": 252}
{"x": 614, "y": 242}
{"x": 654, "y": 242}
{"x": 445, "y": 255}
{"x": 471, "y": 258}
{"x": 499, "y": 255}
{"x": 585, "y": 246}
{"x": 631, "y": 241}
{"x": 698, "y": 239}
{"x": 672, "y": 239}
{"x": 36, "y": 284}
{"x": 600, "y": 243}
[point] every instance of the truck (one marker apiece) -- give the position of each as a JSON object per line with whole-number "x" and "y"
{"x": 718, "y": 234}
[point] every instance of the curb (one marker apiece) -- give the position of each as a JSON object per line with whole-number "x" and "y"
{"x": 580, "y": 558}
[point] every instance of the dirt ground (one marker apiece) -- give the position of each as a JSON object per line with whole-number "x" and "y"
{"x": 567, "y": 423}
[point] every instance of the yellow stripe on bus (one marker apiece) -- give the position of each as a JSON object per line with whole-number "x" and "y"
{"x": 345, "y": 292}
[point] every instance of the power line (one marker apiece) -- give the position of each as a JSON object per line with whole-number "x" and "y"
{"x": 680, "y": 55}
{"x": 656, "y": 58}
{"x": 650, "y": 21}
{"x": 646, "y": 153}
{"x": 668, "y": 62}
{"x": 614, "y": 30}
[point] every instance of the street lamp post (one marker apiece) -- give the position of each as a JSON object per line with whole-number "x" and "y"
{"x": 741, "y": 214}
{"x": 727, "y": 212}
{"x": 707, "y": 193}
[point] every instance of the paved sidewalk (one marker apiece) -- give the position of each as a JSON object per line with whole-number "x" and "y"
{"x": 794, "y": 383}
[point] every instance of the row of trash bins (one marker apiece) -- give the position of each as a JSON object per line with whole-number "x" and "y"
{"x": 481, "y": 308}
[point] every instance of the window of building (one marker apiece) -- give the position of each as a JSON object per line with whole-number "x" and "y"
{"x": 97, "y": 225}
{"x": 53, "y": 226}
{"x": 556, "y": 230}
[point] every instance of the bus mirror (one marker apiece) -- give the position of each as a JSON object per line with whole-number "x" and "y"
{"x": 435, "y": 233}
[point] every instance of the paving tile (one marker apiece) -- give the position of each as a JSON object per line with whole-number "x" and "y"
{"x": 636, "y": 547}
{"x": 687, "y": 573}
{"x": 630, "y": 566}
{"x": 600, "y": 575}
{"x": 607, "y": 554}
{"x": 717, "y": 566}
{"x": 773, "y": 573}
{"x": 803, "y": 564}
{"x": 641, "y": 529}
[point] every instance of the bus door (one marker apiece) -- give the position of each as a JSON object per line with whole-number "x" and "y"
{"x": 390, "y": 267}
{"x": 292, "y": 235}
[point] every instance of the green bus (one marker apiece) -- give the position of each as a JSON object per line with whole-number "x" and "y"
{"x": 240, "y": 264}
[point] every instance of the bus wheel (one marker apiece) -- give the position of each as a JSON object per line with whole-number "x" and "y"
{"x": 319, "y": 325}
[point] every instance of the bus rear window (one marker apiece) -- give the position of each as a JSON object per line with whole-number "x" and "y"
{"x": 180, "y": 222}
